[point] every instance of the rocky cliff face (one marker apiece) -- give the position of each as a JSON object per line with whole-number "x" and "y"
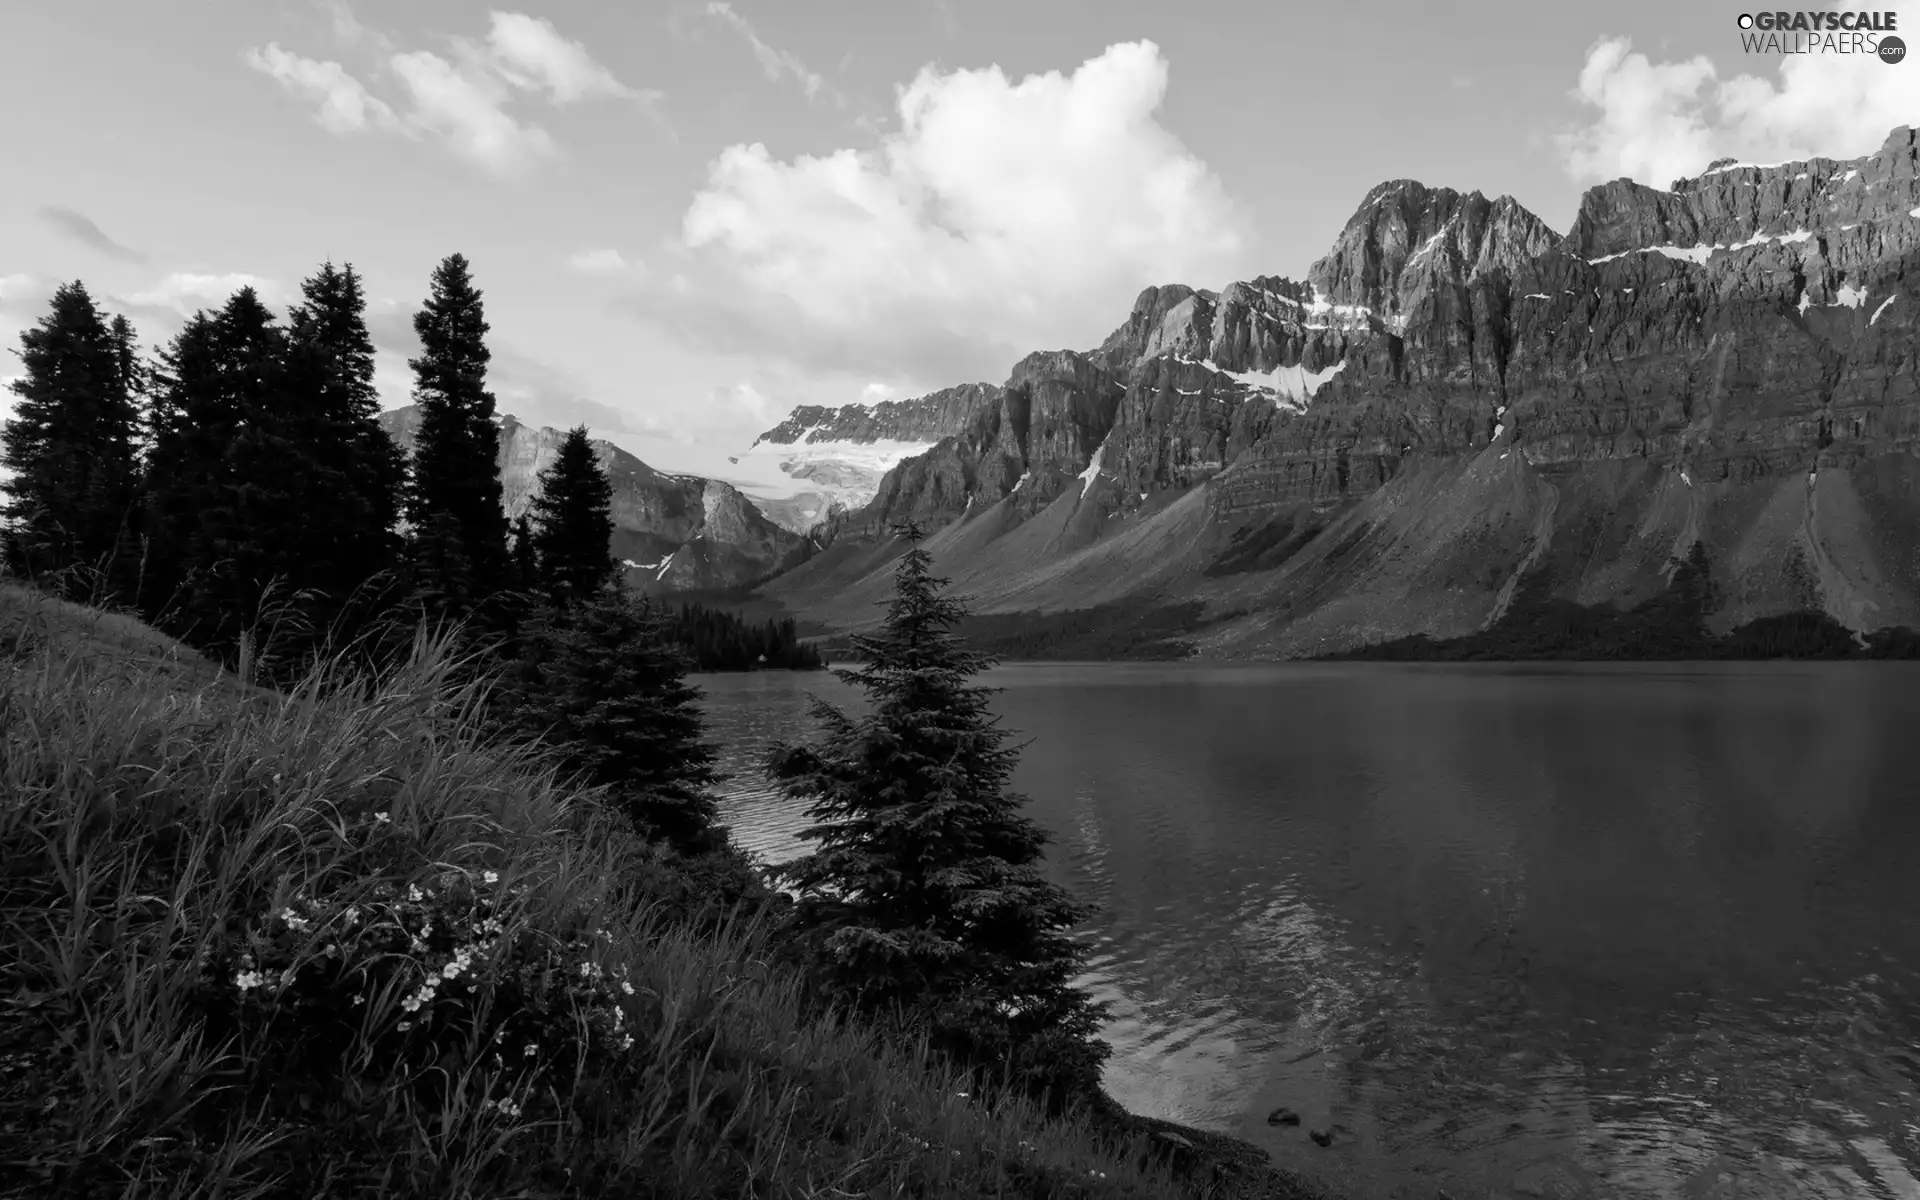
{"x": 1457, "y": 395}
{"x": 674, "y": 532}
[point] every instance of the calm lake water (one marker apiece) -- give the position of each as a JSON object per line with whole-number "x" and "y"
{"x": 1573, "y": 931}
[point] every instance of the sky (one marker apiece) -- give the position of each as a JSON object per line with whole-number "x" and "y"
{"x": 689, "y": 216}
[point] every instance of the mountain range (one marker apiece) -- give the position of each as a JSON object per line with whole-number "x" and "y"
{"x": 675, "y": 533}
{"x": 1455, "y": 398}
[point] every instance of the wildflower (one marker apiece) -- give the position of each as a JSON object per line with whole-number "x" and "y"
{"x": 249, "y": 979}
{"x": 529, "y": 1049}
{"x": 294, "y": 920}
{"x": 626, "y": 1043}
{"x": 413, "y": 892}
{"x": 490, "y": 876}
{"x": 404, "y": 1026}
{"x": 962, "y": 1095}
{"x": 352, "y": 914}
{"x": 383, "y": 818}
{"x": 628, "y": 989}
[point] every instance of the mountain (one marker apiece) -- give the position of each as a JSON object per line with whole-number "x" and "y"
{"x": 675, "y": 532}
{"x": 1456, "y": 397}
{"x": 822, "y": 461}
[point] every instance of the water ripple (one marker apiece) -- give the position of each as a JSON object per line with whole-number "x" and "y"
{"x": 1441, "y": 912}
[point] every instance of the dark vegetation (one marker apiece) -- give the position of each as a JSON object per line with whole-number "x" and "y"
{"x": 721, "y": 641}
{"x": 1671, "y": 626}
{"x": 394, "y": 870}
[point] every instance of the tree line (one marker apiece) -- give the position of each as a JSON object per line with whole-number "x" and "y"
{"x": 239, "y": 493}
{"x": 722, "y": 641}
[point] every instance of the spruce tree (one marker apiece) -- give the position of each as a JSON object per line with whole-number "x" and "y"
{"x": 455, "y": 489}
{"x": 354, "y": 470}
{"x": 526, "y": 567}
{"x": 227, "y": 503}
{"x": 572, "y": 521}
{"x": 925, "y": 892}
{"x": 71, "y": 446}
{"x": 604, "y": 683}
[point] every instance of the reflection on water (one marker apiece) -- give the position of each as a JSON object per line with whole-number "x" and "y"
{"x": 1584, "y": 931}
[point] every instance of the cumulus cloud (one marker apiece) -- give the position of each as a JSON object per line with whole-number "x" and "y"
{"x": 82, "y": 229}
{"x": 775, "y": 64}
{"x": 999, "y": 217}
{"x": 1660, "y": 121}
{"x": 606, "y": 261}
{"x": 461, "y": 98}
{"x": 342, "y": 103}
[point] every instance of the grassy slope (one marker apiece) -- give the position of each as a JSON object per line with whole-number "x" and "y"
{"x": 150, "y": 807}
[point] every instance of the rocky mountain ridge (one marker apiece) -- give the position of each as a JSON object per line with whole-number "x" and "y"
{"x": 1454, "y": 396}
{"x": 674, "y": 532}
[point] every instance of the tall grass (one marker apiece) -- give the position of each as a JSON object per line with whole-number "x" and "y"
{"x": 331, "y": 940}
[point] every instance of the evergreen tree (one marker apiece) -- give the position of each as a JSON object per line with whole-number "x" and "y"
{"x": 455, "y": 490}
{"x": 354, "y": 471}
{"x": 572, "y": 519}
{"x": 226, "y": 503}
{"x": 925, "y": 893}
{"x": 604, "y": 683}
{"x": 526, "y": 568}
{"x": 71, "y": 446}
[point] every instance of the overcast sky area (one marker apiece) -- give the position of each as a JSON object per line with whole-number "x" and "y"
{"x": 689, "y": 217}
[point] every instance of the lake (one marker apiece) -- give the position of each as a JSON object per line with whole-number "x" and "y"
{"x": 1617, "y": 930}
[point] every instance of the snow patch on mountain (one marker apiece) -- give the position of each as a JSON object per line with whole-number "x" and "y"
{"x": 1699, "y": 254}
{"x": 1092, "y": 473}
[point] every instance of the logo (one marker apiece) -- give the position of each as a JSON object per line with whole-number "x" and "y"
{"x": 1824, "y": 32}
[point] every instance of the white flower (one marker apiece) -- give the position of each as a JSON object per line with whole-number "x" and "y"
{"x": 413, "y": 893}
{"x": 381, "y": 817}
{"x": 529, "y": 1049}
{"x": 490, "y": 876}
{"x": 352, "y": 914}
{"x": 249, "y": 979}
{"x": 628, "y": 988}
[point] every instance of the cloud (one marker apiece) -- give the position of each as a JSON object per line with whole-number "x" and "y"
{"x": 999, "y": 218}
{"x": 776, "y": 65}
{"x": 344, "y": 104}
{"x": 184, "y": 292}
{"x": 81, "y": 228}
{"x": 461, "y": 99}
{"x": 874, "y": 393}
{"x": 741, "y": 405}
{"x": 1660, "y": 121}
{"x": 532, "y": 55}
{"x": 466, "y": 108}
{"x": 350, "y": 32}
{"x": 607, "y": 261}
